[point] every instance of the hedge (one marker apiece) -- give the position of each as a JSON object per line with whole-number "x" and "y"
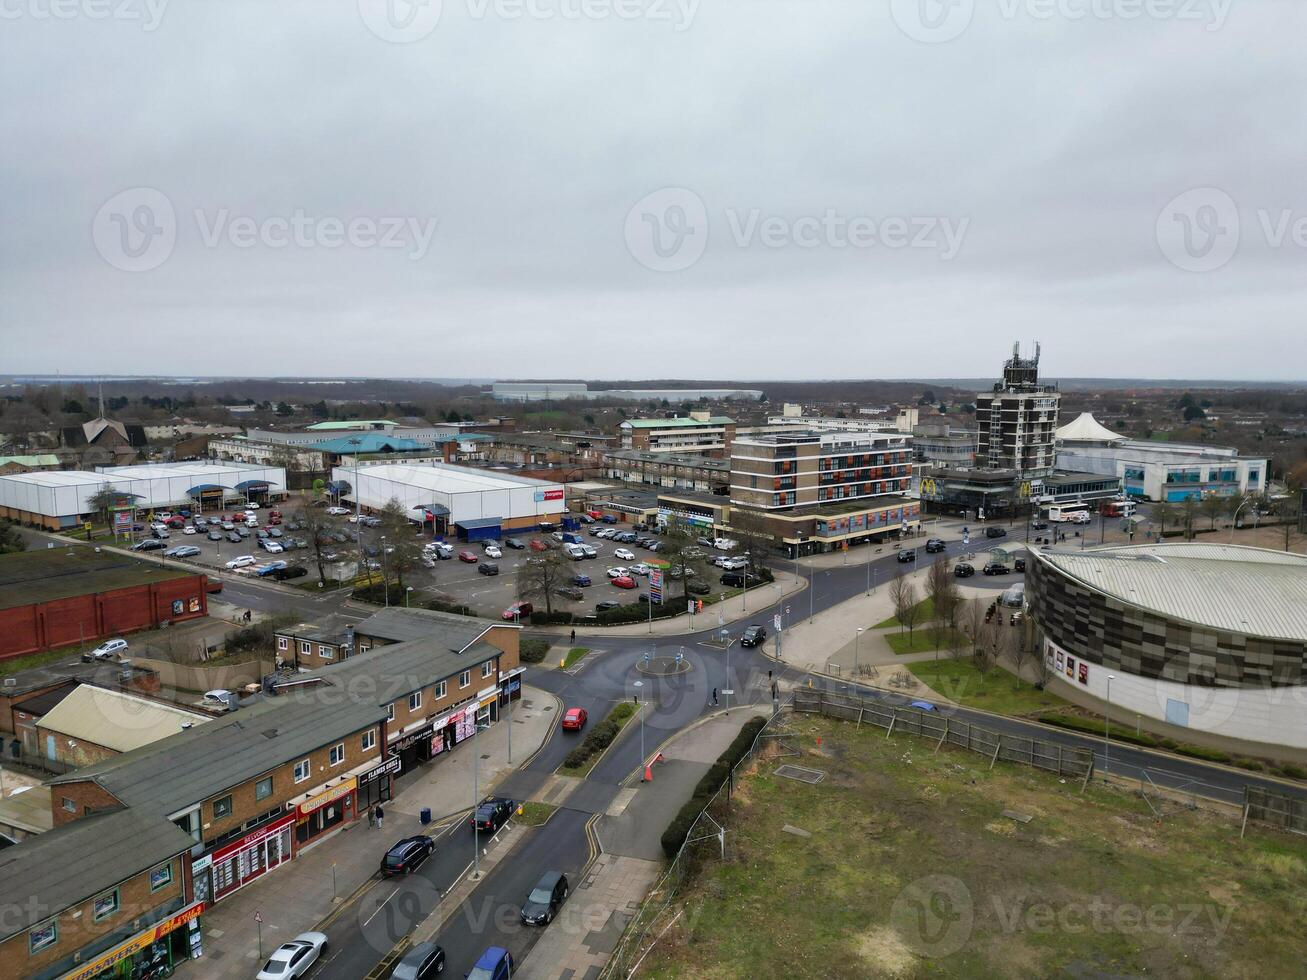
{"x": 446, "y": 606}
{"x": 638, "y": 612}
{"x": 679, "y": 829}
{"x": 542, "y": 618}
{"x": 599, "y": 737}
{"x": 532, "y": 650}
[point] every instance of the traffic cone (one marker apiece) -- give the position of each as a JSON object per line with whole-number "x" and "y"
{"x": 648, "y": 774}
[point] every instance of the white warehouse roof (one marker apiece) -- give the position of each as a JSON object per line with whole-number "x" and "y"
{"x": 443, "y": 478}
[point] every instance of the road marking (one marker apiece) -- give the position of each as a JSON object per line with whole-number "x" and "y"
{"x": 380, "y": 906}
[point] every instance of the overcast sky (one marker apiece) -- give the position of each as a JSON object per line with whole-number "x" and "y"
{"x": 726, "y": 189}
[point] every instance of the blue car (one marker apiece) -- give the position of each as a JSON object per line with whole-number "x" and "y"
{"x": 496, "y": 963}
{"x": 923, "y": 705}
{"x": 265, "y": 570}
{"x": 580, "y": 579}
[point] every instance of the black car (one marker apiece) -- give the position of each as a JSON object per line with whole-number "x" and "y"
{"x": 261, "y": 534}
{"x": 1039, "y": 525}
{"x": 995, "y": 532}
{"x": 242, "y": 532}
{"x": 733, "y": 580}
{"x": 294, "y": 571}
{"x": 571, "y": 592}
{"x": 541, "y": 905}
{"x": 995, "y": 568}
{"x": 422, "y": 962}
{"x": 274, "y": 532}
{"x": 235, "y": 537}
{"x": 149, "y": 544}
{"x": 514, "y": 543}
{"x": 753, "y": 636}
{"x": 407, "y": 855}
{"x": 487, "y": 568}
{"x": 699, "y": 588}
{"x": 493, "y": 813}
{"x": 214, "y": 535}
{"x": 963, "y": 570}
{"x": 909, "y": 554}
{"x": 606, "y": 605}
{"x": 934, "y": 545}
{"x": 1018, "y": 565}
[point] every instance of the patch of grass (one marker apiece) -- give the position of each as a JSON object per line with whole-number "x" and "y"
{"x": 925, "y": 613}
{"x": 582, "y": 759}
{"x": 997, "y": 691}
{"x": 922, "y": 640}
{"x": 906, "y": 844}
{"x": 26, "y": 662}
{"x": 573, "y": 655}
{"x": 534, "y": 814}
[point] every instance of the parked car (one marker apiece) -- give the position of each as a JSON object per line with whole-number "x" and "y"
{"x": 160, "y": 532}
{"x": 337, "y": 511}
{"x": 295, "y": 571}
{"x": 149, "y": 544}
{"x": 935, "y": 545}
{"x": 241, "y": 561}
{"x": 582, "y": 580}
{"x": 753, "y": 635}
{"x": 995, "y": 568}
{"x": 235, "y": 537}
{"x": 263, "y": 571}
{"x": 468, "y": 556}
{"x": 586, "y": 519}
{"x": 487, "y": 568}
{"x": 493, "y": 552}
{"x": 574, "y": 719}
{"x": 110, "y": 649}
{"x": 589, "y": 550}
{"x": 995, "y": 532}
{"x": 699, "y": 588}
{"x": 617, "y": 571}
{"x": 538, "y": 545}
{"x": 214, "y": 535}
{"x": 517, "y": 611}
{"x": 190, "y": 529}
{"x": 185, "y": 551}
{"x": 732, "y": 580}
{"x": 908, "y": 554}
{"x": 606, "y": 605}
{"x": 496, "y": 963}
{"x": 274, "y": 532}
{"x": 514, "y": 543}
{"x": 492, "y": 813}
{"x": 293, "y": 959}
{"x": 199, "y": 521}
{"x": 640, "y": 568}
{"x": 570, "y": 592}
{"x": 542, "y": 904}
{"x": 963, "y": 570}
{"x": 1018, "y": 565}
{"x": 624, "y": 582}
{"x": 625, "y": 554}
{"x": 608, "y": 518}
{"x": 407, "y": 855}
{"x": 228, "y": 526}
{"x": 422, "y": 962}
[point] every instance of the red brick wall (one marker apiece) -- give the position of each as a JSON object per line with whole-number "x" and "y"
{"x": 83, "y": 794}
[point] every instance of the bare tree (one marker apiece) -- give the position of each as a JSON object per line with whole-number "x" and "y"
{"x": 756, "y": 540}
{"x": 973, "y": 621}
{"x": 315, "y": 522}
{"x": 402, "y": 550}
{"x": 904, "y": 596}
{"x": 540, "y": 578}
{"x": 1215, "y": 507}
{"x": 1165, "y": 513}
{"x": 681, "y": 549}
{"x": 942, "y": 590}
{"x": 1018, "y": 649}
{"x": 1188, "y": 512}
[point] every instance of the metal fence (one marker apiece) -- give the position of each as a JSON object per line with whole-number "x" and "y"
{"x": 709, "y": 829}
{"x": 1280, "y": 810}
{"x": 943, "y": 729}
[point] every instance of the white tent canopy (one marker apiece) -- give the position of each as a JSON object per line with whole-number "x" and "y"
{"x": 1086, "y": 428}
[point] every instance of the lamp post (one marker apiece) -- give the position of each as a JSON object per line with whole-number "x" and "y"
{"x": 1107, "y": 724}
{"x": 1234, "y": 521}
{"x": 868, "y": 592}
{"x": 856, "y": 637}
{"x": 639, "y": 686}
{"x": 407, "y": 590}
{"x": 385, "y": 579}
{"x": 358, "y": 524}
{"x": 476, "y": 793}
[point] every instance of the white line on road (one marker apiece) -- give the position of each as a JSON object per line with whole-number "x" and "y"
{"x": 381, "y": 905}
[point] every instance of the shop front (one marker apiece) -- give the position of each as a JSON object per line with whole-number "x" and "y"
{"x": 375, "y": 784}
{"x": 325, "y": 811}
{"x": 152, "y": 952}
{"x": 511, "y": 689}
{"x": 412, "y": 748}
{"x": 452, "y": 729}
{"x": 251, "y": 857}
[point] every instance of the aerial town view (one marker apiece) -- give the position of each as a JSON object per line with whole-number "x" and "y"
{"x": 595, "y": 489}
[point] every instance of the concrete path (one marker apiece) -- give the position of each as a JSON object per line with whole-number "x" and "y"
{"x": 302, "y": 893}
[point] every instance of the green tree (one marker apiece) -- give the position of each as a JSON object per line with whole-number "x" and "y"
{"x": 680, "y": 548}
{"x": 11, "y": 540}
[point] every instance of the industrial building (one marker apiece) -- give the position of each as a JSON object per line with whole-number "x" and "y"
{"x": 473, "y": 503}
{"x": 1166, "y": 471}
{"x": 684, "y": 471}
{"x": 542, "y": 391}
{"x": 697, "y": 432}
{"x": 1209, "y": 638}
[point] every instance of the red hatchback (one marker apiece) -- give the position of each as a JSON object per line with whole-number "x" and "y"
{"x": 624, "y": 582}
{"x": 538, "y": 545}
{"x": 574, "y": 719}
{"x": 518, "y": 610}
{"x": 468, "y": 556}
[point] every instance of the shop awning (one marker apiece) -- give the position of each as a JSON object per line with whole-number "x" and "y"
{"x": 195, "y": 491}
{"x": 252, "y": 485}
{"x": 435, "y": 510}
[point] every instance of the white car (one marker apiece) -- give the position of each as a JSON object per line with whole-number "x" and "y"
{"x": 724, "y": 544}
{"x": 189, "y": 529}
{"x": 626, "y": 554}
{"x": 241, "y": 561}
{"x": 251, "y": 521}
{"x": 640, "y": 568}
{"x": 253, "y": 505}
{"x": 589, "y": 550}
{"x": 293, "y": 959}
{"x": 337, "y": 511}
{"x": 607, "y": 532}
{"x": 110, "y": 649}
{"x": 618, "y": 572}
{"x": 734, "y": 564}
{"x": 493, "y": 552}
{"x": 273, "y": 548}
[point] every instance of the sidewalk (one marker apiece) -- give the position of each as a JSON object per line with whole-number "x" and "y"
{"x": 299, "y": 895}
{"x": 578, "y": 943}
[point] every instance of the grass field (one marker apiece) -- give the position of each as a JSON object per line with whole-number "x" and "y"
{"x": 922, "y": 640}
{"x": 573, "y": 655}
{"x": 912, "y": 870}
{"x": 925, "y": 613}
{"x": 998, "y": 691}
{"x": 534, "y": 814}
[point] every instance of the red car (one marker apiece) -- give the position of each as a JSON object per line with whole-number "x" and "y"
{"x": 518, "y": 610}
{"x": 274, "y": 518}
{"x": 574, "y": 719}
{"x": 624, "y": 582}
{"x": 538, "y": 545}
{"x": 597, "y": 515}
{"x": 468, "y": 556}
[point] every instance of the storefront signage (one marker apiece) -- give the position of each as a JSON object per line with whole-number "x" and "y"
{"x": 253, "y": 837}
{"x": 329, "y": 796}
{"x": 391, "y": 765}
{"x": 134, "y": 945}
{"x": 543, "y": 495}
{"x": 403, "y": 743}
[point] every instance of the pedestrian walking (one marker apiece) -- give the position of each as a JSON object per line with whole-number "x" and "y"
{"x": 380, "y": 815}
{"x": 714, "y": 697}
{"x": 573, "y": 636}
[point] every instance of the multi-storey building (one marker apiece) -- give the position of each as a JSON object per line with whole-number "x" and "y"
{"x": 784, "y": 470}
{"x": 683, "y": 471}
{"x": 697, "y": 432}
{"x": 1017, "y": 420}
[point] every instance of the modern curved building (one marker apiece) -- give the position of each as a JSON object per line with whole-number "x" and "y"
{"x": 1203, "y": 636}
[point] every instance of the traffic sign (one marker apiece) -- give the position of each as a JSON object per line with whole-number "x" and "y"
{"x": 776, "y": 621}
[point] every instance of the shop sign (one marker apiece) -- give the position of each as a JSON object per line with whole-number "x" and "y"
{"x": 329, "y": 796}
{"x": 410, "y": 739}
{"x": 252, "y": 838}
{"x": 134, "y": 945}
{"x": 391, "y": 765}
{"x": 514, "y": 685}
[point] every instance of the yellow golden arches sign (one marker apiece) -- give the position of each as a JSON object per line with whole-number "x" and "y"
{"x": 929, "y": 488}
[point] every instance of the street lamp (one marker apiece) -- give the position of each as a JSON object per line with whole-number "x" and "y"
{"x": 407, "y": 590}
{"x": 1234, "y": 521}
{"x": 856, "y": 636}
{"x": 385, "y": 579}
{"x": 1107, "y": 724}
{"x": 639, "y": 685}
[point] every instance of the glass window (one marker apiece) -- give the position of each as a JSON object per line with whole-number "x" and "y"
{"x": 325, "y": 652}
{"x": 302, "y": 770}
{"x": 440, "y": 690}
{"x": 390, "y": 711}
{"x": 263, "y": 788}
{"x": 415, "y": 701}
{"x": 465, "y": 678}
{"x": 306, "y": 647}
{"x": 105, "y": 905}
{"x": 43, "y": 936}
{"x": 282, "y": 643}
{"x": 337, "y": 755}
{"x": 161, "y": 877}
{"x": 222, "y": 808}
{"x": 68, "y": 805}
{"x": 369, "y": 740}
{"x": 487, "y": 668}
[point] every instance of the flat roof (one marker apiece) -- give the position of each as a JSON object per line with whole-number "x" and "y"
{"x": 60, "y": 478}
{"x": 117, "y": 720}
{"x": 1228, "y": 587}
{"x": 149, "y": 471}
{"x": 444, "y": 478}
{"x": 352, "y": 424}
{"x": 675, "y": 459}
{"x": 58, "y": 573}
{"x": 679, "y": 422}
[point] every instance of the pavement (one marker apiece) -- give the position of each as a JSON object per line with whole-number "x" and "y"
{"x": 298, "y": 896}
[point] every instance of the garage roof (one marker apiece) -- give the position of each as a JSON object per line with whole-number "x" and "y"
{"x": 116, "y": 720}
{"x": 58, "y": 573}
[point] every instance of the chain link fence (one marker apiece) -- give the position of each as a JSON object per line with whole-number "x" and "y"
{"x": 1279, "y": 810}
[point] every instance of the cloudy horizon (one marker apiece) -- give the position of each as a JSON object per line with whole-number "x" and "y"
{"x": 609, "y": 189}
